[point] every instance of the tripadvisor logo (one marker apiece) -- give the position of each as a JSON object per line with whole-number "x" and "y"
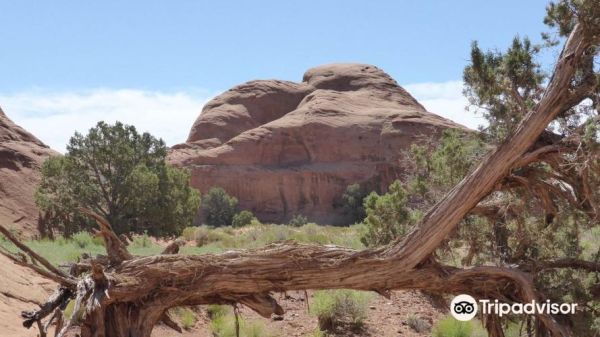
{"x": 464, "y": 308}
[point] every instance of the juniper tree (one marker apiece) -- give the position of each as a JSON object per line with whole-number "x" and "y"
{"x": 121, "y": 175}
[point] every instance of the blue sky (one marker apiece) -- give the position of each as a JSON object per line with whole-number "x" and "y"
{"x": 61, "y": 60}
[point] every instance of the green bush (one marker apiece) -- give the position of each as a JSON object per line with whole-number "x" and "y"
{"x": 187, "y": 317}
{"x": 243, "y": 218}
{"x": 60, "y": 240}
{"x": 189, "y": 233}
{"x": 337, "y": 307}
{"x": 223, "y": 324}
{"x": 218, "y": 207}
{"x": 388, "y": 216}
{"x": 298, "y": 220}
{"x": 141, "y": 241}
{"x": 217, "y": 310}
{"x": 352, "y": 202}
{"x": 205, "y": 235}
{"x": 82, "y": 239}
{"x": 450, "y": 327}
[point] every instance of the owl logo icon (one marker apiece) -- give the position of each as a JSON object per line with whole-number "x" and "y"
{"x": 463, "y": 307}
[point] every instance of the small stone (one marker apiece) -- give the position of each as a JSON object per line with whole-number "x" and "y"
{"x": 277, "y": 318}
{"x": 372, "y": 307}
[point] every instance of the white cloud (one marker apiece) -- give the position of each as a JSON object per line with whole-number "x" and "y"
{"x": 55, "y": 116}
{"x": 446, "y": 99}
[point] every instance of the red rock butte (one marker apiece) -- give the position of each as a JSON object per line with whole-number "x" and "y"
{"x": 285, "y": 148}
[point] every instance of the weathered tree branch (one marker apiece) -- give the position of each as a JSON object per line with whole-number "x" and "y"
{"x": 34, "y": 256}
{"x": 443, "y": 218}
{"x": 116, "y": 249}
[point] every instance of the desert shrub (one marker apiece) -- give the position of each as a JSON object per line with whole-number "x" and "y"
{"x": 60, "y": 240}
{"x": 223, "y": 324}
{"x": 205, "y": 235}
{"x": 337, "y": 307}
{"x": 96, "y": 240}
{"x": 186, "y": 316}
{"x": 450, "y": 327}
{"x": 216, "y": 310}
{"x": 189, "y": 233}
{"x": 418, "y": 324}
{"x": 141, "y": 241}
{"x": 388, "y": 215}
{"x": 298, "y": 220}
{"x": 117, "y": 172}
{"x": 316, "y": 234}
{"x": 82, "y": 239}
{"x": 243, "y": 218}
{"x": 218, "y": 207}
{"x": 352, "y": 202}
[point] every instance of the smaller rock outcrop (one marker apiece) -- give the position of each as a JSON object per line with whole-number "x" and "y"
{"x": 21, "y": 157}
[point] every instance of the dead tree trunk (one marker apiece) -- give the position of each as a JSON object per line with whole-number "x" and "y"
{"x": 128, "y": 295}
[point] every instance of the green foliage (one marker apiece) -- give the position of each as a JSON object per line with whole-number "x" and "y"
{"x": 450, "y": 327}
{"x": 186, "y": 316}
{"x": 243, "y": 218}
{"x": 388, "y": 215}
{"x": 82, "y": 239}
{"x": 503, "y": 85}
{"x": 218, "y": 207}
{"x": 120, "y": 174}
{"x": 204, "y": 235}
{"x": 258, "y": 235}
{"x": 217, "y": 310}
{"x": 298, "y": 220}
{"x": 336, "y": 307}
{"x": 69, "y": 310}
{"x": 352, "y": 202}
{"x": 141, "y": 241}
{"x": 564, "y": 14}
{"x": 223, "y": 324}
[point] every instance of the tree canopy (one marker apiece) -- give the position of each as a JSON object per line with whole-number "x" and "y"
{"x": 121, "y": 175}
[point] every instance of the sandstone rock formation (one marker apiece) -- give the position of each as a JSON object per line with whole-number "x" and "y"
{"x": 285, "y": 148}
{"x": 21, "y": 157}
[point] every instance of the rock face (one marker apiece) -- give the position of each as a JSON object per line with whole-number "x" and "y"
{"x": 285, "y": 148}
{"x": 21, "y": 157}
{"x": 20, "y": 290}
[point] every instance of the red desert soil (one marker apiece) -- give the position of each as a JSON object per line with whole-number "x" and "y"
{"x": 20, "y": 289}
